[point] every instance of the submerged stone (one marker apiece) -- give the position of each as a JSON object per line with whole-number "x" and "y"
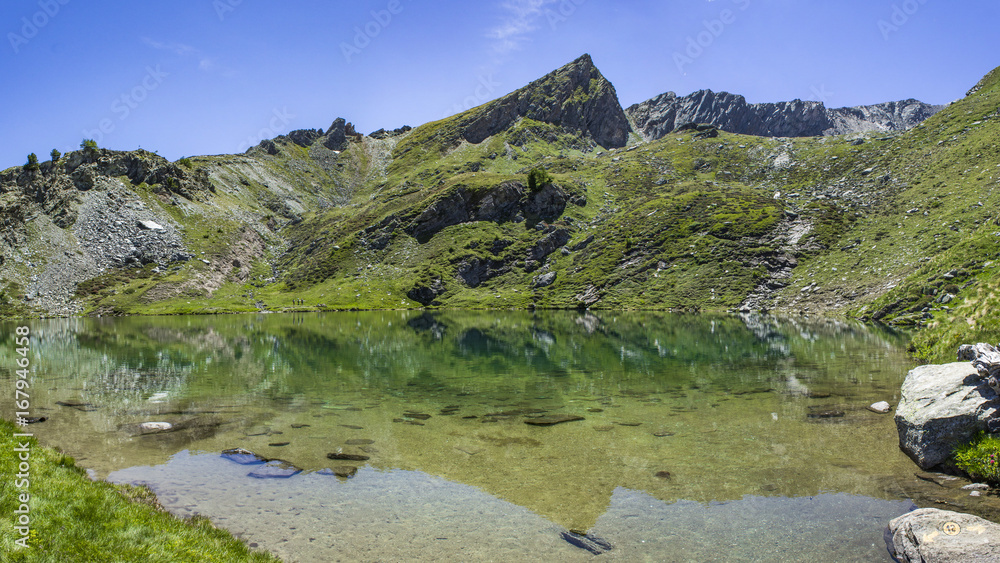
{"x": 347, "y": 457}
{"x": 345, "y": 471}
{"x": 826, "y": 413}
{"x": 359, "y": 442}
{"x": 553, "y": 419}
{"x": 147, "y": 427}
{"x": 881, "y": 407}
{"x": 242, "y": 456}
{"x": 588, "y": 542}
{"x": 275, "y": 469}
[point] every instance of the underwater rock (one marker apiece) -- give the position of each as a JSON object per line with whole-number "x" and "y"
{"x": 826, "y": 413}
{"x": 588, "y": 542}
{"x": 552, "y": 419}
{"x": 147, "y": 427}
{"x": 275, "y": 469}
{"x": 340, "y": 471}
{"x": 881, "y": 407}
{"x": 347, "y": 457}
{"x": 359, "y": 442}
{"x": 242, "y": 456}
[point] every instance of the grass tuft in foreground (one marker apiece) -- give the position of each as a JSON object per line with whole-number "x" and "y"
{"x": 75, "y": 519}
{"x": 980, "y": 458}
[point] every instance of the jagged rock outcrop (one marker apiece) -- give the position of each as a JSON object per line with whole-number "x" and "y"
{"x": 576, "y": 97}
{"x": 509, "y": 201}
{"x": 337, "y": 138}
{"x": 932, "y": 535}
{"x": 665, "y": 113}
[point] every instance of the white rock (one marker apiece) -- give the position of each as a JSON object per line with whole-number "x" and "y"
{"x": 155, "y": 426}
{"x": 880, "y": 407}
{"x": 151, "y": 226}
{"x": 976, "y": 487}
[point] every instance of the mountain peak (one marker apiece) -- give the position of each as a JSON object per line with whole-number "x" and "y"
{"x": 575, "y": 96}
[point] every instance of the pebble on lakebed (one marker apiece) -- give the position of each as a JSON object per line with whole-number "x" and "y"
{"x": 155, "y": 427}
{"x": 881, "y": 407}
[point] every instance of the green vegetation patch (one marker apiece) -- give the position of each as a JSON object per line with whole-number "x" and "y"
{"x": 980, "y": 458}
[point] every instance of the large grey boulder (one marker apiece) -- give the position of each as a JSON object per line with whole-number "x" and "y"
{"x": 929, "y": 535}
{"x": 941, "y": 407}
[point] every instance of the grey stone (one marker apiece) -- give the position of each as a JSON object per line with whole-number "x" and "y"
{"x": 545, "y": 280}
{"x": 941, "y": 406}
{"x": 930, "y": 535}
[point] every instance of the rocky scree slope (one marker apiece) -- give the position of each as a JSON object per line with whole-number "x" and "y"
{"x": 663, "y": 114}
{"x": 443, "y": 215}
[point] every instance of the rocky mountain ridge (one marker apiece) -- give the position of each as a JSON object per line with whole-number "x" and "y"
{"x": 663, "y": 114}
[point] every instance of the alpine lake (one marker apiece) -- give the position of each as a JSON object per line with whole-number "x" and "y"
{"x": 500, "y": 436}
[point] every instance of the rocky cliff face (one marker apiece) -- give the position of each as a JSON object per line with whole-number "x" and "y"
{"x": 663, "y": 114}
{"x": 576, "y": 97}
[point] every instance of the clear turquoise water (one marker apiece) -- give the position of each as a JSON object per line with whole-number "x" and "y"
{"x": 701, "y": 436}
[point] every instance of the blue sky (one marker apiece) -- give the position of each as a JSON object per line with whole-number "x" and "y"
{"x": 214, "y": 76}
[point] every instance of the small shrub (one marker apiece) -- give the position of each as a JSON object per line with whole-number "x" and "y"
{"x": 538, "y": 178}
{"x": 951, "y": 288}
{"x": 56, "y": 155}
{"x": 980, "y": 458}
{"x": 32, "y": 164}
{"x": 89, "y": 147}
{"x": 185, "y": 162}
